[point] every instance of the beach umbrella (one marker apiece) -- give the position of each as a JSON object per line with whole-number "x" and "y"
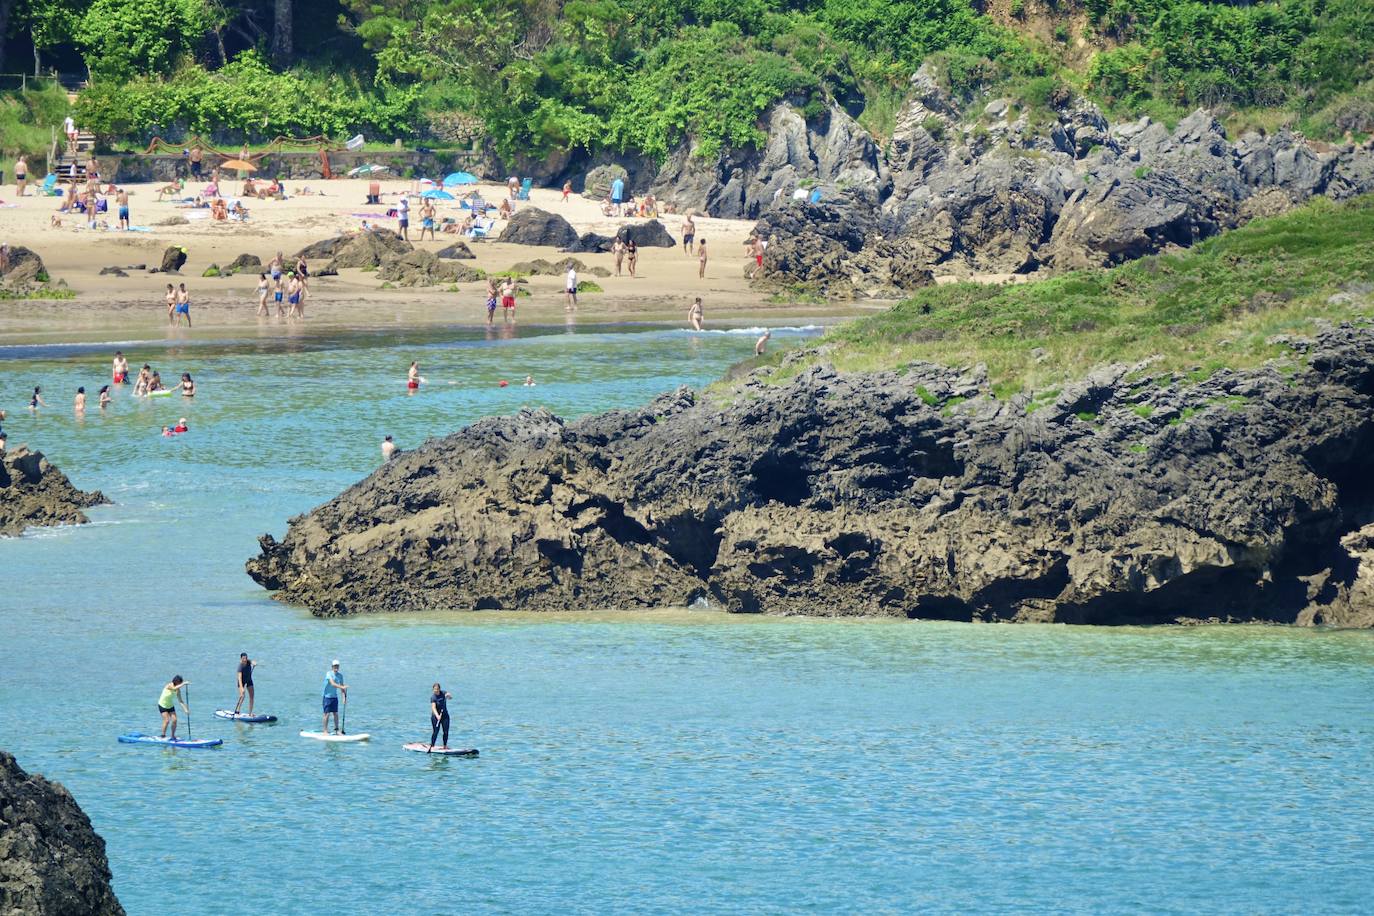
{"x": 460, "y": 178}
{"x": 427, "y": 181}
{"x": 367, "y": 170}
{"x": 241, "y": 165}
{"x": 437, "y": 195}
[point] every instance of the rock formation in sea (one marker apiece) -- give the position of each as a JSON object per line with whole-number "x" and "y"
{"x": 52, "y": 863}
{"x": 34, "y": 494}
{"x": 1128, "y": 498}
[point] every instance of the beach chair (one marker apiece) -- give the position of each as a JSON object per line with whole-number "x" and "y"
{"x": 481, "y": 229}
{"x": 50, "y": 186}
{"x": 525, "y": 189}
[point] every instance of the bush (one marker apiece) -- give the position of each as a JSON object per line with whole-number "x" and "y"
{"x": 26, "y": 122}
{"x": 247, "y": 99}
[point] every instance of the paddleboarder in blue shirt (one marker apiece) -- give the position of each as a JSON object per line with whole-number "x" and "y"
{"x": 438, "y": 716}
{"x": 245, "y": 676}
{"x": 333, "y": 684}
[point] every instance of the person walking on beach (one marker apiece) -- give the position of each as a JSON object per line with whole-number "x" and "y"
{"x": 388, "y": 448}
{"x": 275, "y": 266}
{"x": 567, "y": 190}
{"x": 21, "y": 175}
{"x": 293, "y": 297}
{"x": 570, "y": 289}
{"x": 171, "y": 299}
{"x": 427, "y": 220}
{"x": 491, "y": 300}
{"x": 403, "y": 215}
{"x": 701, "y": 259}
{"x": 631, "y": 256}
{"x": 279, "y": 291}
{"x": 197, "y": 154}
{"x": 508, "y": 299}
{"x": 263, "y": 288}
{"x": 618, "y": 250}
{"x": 617, "y": 195}
{"x": 245, "y": 679}
{"x": 122, "y": 199}
{"x": 694, "y": 314}
{"x": 438, "y": 715}
{"x": 762, "y": 343}
{"x": 689, "y": 234}
{"x": 167, "y": 704}
{"x": 183, "y": 303}
{"x": 333, "y": 686}
{"x": 755, "y": 249}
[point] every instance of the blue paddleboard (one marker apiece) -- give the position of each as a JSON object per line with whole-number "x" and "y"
{"x": 243, "y": 716}
{"x": 140, "y": 738}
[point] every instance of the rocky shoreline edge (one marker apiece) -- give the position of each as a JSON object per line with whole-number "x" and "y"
{"x": 35, "y": 494}
{"x": 1127, "y": 498}
{"x": 51, "y": 859}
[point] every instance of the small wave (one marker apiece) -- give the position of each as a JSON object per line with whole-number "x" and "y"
{"x": 782, "y": 329}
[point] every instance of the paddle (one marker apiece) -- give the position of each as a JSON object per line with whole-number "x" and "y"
{"x": 187, "y": 688}
{"x": 343, "y": 716}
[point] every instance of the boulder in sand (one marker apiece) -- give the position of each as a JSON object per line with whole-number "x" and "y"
{"x": 25, "y": 268}
{"x": 368, "y": 249}
{"x": 51, "y": 859}
{"x": 597, "y": 184}
{"x": 173, "y": 259}
{"x": 458, "y": 251}
{"x": 423, "y": 268}
{"x": 532, "y": 226}
{"x": 243, "y": 262}
{"x": 650, "y": 234}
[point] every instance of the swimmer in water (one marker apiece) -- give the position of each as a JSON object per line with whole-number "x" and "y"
{"x": 37, "y": 401}
{"x": 413, "y": 376}
{"x": 529, "y": 381}
{"x": 188, "y": 387}
{"x": 761, "y": 343}
{"x": 155, "y": 383}
{"x": 120, "y": 370}
{"x": 141, "y": 385}
{"x": 104, "y": 396}
{"x": 388, "y": 448}
{"x": 79, "y": 402}
{"x": 180, "y": 427}
{"x": 694, "y": 314}
{"x": 167, "y": 431}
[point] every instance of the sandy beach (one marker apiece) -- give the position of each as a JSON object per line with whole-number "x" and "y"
{"x": 104, "y": 305}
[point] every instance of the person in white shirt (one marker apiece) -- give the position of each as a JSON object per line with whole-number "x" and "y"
{"x": 570, "y": 289}
{"x": 388, "y": 448}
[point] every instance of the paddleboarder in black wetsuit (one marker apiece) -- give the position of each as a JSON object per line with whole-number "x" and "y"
{"x": 438, "y": 716}
{"x": 246, "y": 666}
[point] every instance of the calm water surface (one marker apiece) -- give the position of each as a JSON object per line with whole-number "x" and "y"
{"x": 650, "y": 762}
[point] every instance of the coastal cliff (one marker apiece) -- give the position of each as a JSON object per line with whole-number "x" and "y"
{"x": 52, "y": 863}
{"x": 34, "y": 493}
{"x": 1127, "y": 498}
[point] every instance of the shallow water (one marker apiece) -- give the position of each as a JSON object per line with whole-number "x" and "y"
{"x": 665, "y": 761}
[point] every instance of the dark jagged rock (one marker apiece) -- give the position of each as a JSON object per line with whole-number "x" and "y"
{"x": 113, "y": 272}
{"x": 648, "y": 234}
{"x": 1242, "y": 497}
{"x": 458, "y": 251}
{"x": 25, "y": 269}
{"x": 540, "y": 267}
{"x": 34, "y": 494}
{"x": 532, "y": 226}
{"x": 173, "y": 259}
{"x": 242, "y": 263}
{"x": 423, "y": 268}
{"x": 368, "y": 249}
{"x": 52, "y": 862}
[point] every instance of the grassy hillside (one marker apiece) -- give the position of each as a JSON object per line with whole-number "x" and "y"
{"x": 1216, "y": 304}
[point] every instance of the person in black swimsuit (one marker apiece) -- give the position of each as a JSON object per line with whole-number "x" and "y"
{"x": 438, "y": 716}
{"x": 246, "y": 666}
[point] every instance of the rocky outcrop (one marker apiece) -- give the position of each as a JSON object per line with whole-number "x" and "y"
{"x": 532, "y": 226}
{"x": 23, "y": 269}
{"x": 458, "y": 251}
{"x": 366, "y": 250}
{"x": 173, "y": 259}
{"x": 424, "y": 268}
{"x": 597, "y": 184}
{"x": 52, "y": 862}
{"x": 540, "y": 267}
{"x": 244, "y": 262}
{"x": 831, "y": 150}
{"x": 35, "y": 494}
{"x": 1124, "y": 498}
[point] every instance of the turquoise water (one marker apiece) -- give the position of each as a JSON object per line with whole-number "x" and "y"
{"x": 681, "y": 760}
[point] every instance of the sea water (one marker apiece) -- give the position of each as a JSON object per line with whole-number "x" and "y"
{"x": 648, "y": 762}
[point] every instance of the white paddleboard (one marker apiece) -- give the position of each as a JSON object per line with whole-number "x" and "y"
{"x": 421, "y": 747}
{"x": 324, "y": 736}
